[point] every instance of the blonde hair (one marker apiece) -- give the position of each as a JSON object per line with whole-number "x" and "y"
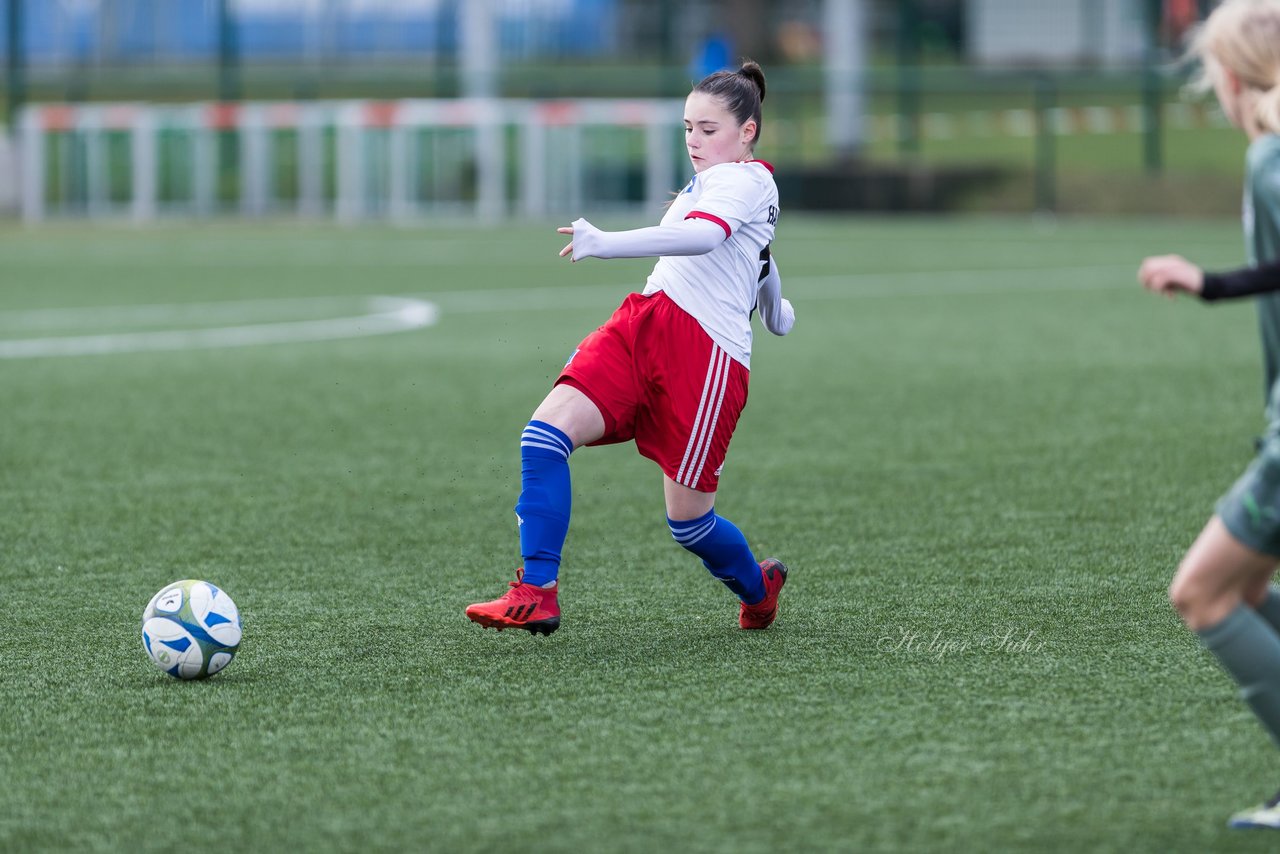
{"x": 1243, "y": 36}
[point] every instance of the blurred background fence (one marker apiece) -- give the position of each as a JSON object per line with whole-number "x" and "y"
{"x": 493, "y": 108}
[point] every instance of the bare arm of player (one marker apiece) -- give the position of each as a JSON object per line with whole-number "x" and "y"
{"x": 689, "y": 237}
{"x": 1170, "y": 275}
{"x": 776, "y": 312}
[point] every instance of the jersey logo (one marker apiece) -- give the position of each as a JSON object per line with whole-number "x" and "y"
{"x": 1257, "y": 514}
{"x": 689, "y": 187}
{"x": 570, "y": 359}
{"x": 773, "y": 214}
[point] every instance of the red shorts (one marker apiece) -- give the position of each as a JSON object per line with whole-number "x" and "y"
{"x": 657, "y": 377}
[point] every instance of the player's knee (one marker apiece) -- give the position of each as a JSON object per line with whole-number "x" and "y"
{"x": 1198, "y": 603}
{"x": 690, "y": 532}
{"x": 1257, "y": 592}
{"x": 542, "y": 441}
{"x": 1182, "y": 596}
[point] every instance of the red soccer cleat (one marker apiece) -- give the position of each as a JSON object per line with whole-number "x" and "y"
{"x": 762, "y": 614}
{"x": 534, "y": 609}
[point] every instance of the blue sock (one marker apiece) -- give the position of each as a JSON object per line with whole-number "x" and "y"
{"x": 724, "y": 551}
{"x": 546, "y": 499}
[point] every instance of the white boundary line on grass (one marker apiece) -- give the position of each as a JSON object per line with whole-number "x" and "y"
{"x": 944, "y": 283}
{"x": 898, "y": 283}
{"x": 384, "y": 315}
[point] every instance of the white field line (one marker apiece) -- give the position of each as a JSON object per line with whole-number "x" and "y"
{"x": 385, "y": 315}
{"x": 398, "y": 314}
{"x": 171, "y": 315}
{"x": 1116, "y": 118}
{"x": 913, "y": 283}
{"x": 947, "y": 283}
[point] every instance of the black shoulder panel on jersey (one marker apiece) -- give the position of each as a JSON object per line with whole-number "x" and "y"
{"x": 764, "y": 262}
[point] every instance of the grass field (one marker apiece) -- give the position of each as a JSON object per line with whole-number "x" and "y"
{"x": 982, "y": 452}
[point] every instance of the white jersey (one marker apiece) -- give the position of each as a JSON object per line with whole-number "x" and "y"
{"x": 719, "y": 288}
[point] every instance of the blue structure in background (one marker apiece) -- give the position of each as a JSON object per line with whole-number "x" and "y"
{"x": 714, "y": 53}
{"x": 144, "y": 31}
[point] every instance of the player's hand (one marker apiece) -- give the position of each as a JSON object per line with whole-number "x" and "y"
{"x": 1170, "y": 275}
{"x": 568, "y": 229}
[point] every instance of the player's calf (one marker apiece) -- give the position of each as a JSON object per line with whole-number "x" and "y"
{"x": 724, "y": 552}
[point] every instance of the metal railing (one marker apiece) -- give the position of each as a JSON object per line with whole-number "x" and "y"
{"x": 484, "y": 159}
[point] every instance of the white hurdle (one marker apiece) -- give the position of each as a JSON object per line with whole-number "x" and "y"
{"x": 484, "y": 159}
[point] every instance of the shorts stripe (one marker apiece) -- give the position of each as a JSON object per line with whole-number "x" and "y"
{"x": 715, "y": 418}
{"x": 704, "y": 427}
{"x": 697, "y": 421}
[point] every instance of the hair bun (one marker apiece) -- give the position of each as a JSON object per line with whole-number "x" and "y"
{"x": 752, "y": 71}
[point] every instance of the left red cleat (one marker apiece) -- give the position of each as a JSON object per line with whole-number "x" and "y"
{"x": 524, "y": 606}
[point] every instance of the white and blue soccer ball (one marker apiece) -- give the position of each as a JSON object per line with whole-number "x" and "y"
{"x": 191, "y": 629}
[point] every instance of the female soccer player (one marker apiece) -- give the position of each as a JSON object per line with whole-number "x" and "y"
{"x": 670, "y": 368}
{"x": 1222, "y": 590}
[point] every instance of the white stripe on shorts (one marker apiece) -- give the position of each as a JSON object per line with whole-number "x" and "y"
{"x": 704, "y": 423}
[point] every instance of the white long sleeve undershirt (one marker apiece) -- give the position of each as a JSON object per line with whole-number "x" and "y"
{"x": 687, "y": 237}
{"x": 776, "y": 312}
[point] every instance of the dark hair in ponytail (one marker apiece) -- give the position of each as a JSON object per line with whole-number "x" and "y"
{"x": 741, "y": 92}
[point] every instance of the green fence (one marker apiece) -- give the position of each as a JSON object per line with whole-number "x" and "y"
{"x": 1119, "y": 141}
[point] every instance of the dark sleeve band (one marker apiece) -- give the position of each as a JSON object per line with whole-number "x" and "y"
{"x": 1244, "y": 282}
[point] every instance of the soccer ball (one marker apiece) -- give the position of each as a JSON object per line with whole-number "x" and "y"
{"x": 191, "y": 629}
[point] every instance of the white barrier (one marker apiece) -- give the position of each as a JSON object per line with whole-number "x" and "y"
{"x": 8, "y": 175}
{"x": 484, "y": 159}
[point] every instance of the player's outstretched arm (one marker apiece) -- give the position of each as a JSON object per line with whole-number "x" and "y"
{"x": 776, "y": 312}
{"x": 688, "y": 237}
{"x": 1171, "y": 274}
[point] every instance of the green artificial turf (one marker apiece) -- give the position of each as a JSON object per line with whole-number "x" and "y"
{"x": 982, "y": 452}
